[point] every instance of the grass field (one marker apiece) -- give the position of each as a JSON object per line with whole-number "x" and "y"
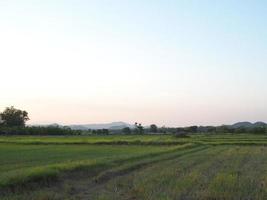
{"x": 220, "y": 172}
{"x": 119, "y": 167}
{"x": 20, "y": 163}
{"x": 138, "y": 139}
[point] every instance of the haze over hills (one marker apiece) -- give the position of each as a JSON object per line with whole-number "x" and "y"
{"x": 248, "y": 124}
{"x": 121, "y": 125}
{"x": 112, "y": 125}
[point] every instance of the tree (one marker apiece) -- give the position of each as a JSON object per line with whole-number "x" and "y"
{"x": 153, "y": 128}
{"x": 126, "y": 130}
{"x": 139, "y": 129}
{"x": 224, "y": 129}
{"x": 14, "y": 117}
{"x": 240, "y": 130}
{"x": 105, "y": 131}
{"x": 101, "y": 132}
{"x": 191, "y": 129}
{"x": 1, "y": 121}
{"x": 259, "y": 130}
{"x": 163, "y": 129}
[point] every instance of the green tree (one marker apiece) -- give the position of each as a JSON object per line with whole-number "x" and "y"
{"x": 14, "y": 117}
{"x": 191, "y": 129}
{"x": 259, "y": 130}
{"x": 153, "y": 128}
{"x": 105, "y": 131}
{"x": 139, "y": 129}
{"x": 126, "y": 130}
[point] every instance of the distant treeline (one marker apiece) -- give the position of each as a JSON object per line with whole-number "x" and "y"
{"x": 215, "y": 130}
{"x": 51, "y": 130}
{"x": 12, "y": 122}
{"x": 65, "y": 130}
{"x": 37, "y": 130}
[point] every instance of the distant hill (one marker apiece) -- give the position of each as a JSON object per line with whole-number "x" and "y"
{"x": 113, "y": 125}
{"x": 248, "y": 125}
{"x": 46, "y": 125}
{"x": 121, "y": 125}
{"x": 260, "y": 124}
{"x": 242, "y": 124}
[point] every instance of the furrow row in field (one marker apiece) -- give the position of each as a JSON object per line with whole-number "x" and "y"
{"x": 216, "y": 173}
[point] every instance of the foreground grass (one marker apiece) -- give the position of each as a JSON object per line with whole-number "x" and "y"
{"x": 103, "y": 167}
{"x": 23, "y": 163}
{"x": 221, "y": 172}
{"x": 85, "y": 139}
{"x": 242, "y": 139}
{"x": 74, "y": 185}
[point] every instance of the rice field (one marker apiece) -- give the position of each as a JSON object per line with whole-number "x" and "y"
{"x": 221, "y": 172}
{"x": 139, "y": 139}
{"x": 118, "y": 167}
{"x": 20, "y": 163}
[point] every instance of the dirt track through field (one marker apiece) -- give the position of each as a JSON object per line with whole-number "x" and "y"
{"x": 224, "y": 172}
{"x": 84, "y": 191}
{"x": 183, "y": 172}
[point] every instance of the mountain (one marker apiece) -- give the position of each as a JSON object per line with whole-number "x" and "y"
{"x": 46, "y": 125}
{"x": 248, "y": 124}
{"x": 258, "y": 124}
{"x": 113, "y": 125}
{"x": 242, "y": 124}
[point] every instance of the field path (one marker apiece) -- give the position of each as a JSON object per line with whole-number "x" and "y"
{"x": 221, "y": 172}
{"x": 215, "y": 169}
{"x": 85, "y": 189}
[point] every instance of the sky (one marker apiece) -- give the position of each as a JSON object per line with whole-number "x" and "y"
{"x": 169, "y": 62}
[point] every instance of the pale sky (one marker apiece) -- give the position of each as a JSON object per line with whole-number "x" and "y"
{"x": 169, "y": 62}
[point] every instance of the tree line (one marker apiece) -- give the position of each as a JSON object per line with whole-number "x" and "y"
{"x": 13, "y": 122}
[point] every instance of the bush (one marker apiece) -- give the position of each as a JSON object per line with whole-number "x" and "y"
{"x": 126, "y": 130}
{"x": 38, "y": 130}
{"x": 259, "y": 130}
{"x": 181, "y": 135}
{"x": 100, "y": 132}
